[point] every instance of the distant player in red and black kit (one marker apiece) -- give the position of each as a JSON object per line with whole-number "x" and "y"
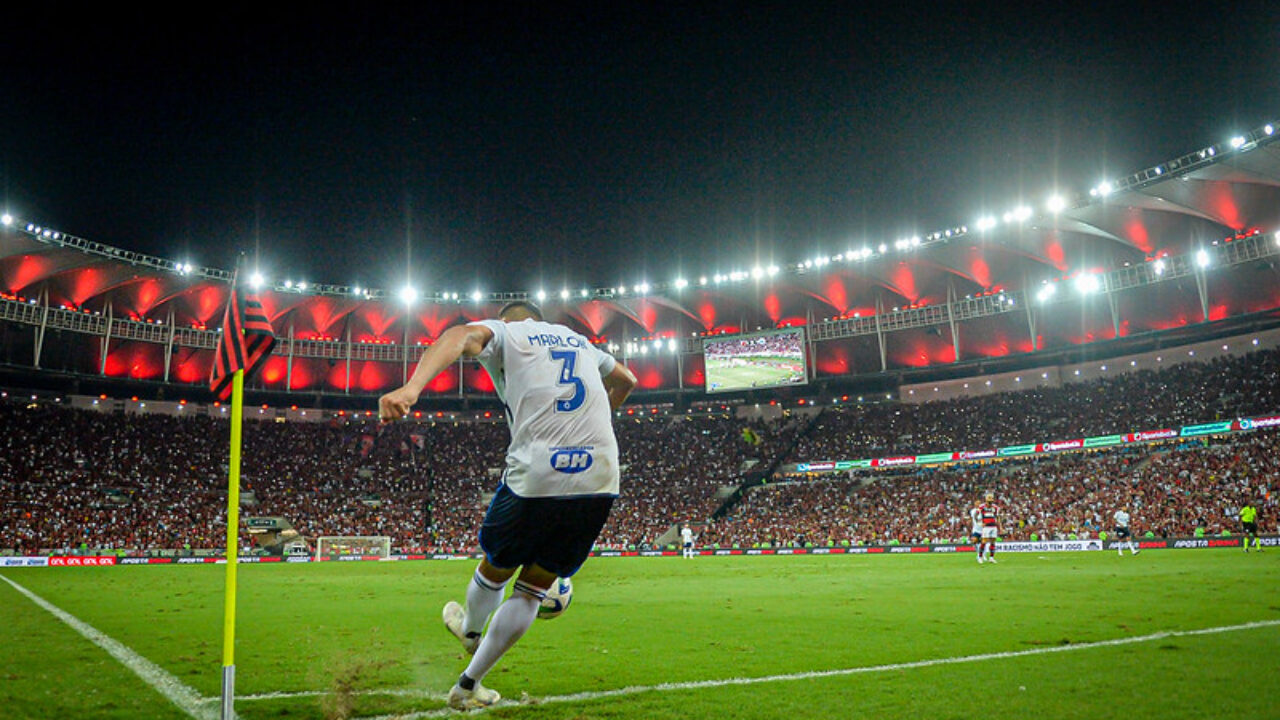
{"x": 990, "y": 515}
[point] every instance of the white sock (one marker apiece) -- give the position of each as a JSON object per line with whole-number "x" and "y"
{"x": 483, "y": 597}
{"x": 509, "y": 624}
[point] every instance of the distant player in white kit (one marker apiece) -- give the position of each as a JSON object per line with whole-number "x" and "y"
{"x": 560, "y": 480}
{"x": 1121, "y": 517}
{"x": 686, "y": 540}
{"x": 975, "y": 536}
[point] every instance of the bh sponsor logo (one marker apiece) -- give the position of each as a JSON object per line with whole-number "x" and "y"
{"x": 571, "y": 459}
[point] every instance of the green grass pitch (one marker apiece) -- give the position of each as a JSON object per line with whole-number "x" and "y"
{"x": 364, "y": 639}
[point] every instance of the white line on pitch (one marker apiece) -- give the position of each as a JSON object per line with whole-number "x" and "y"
{"x": 700, "y": 684}
{"x": 290, "y": 695}
{"x": 163, "y": 682}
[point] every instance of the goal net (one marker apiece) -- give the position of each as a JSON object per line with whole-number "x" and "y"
{"x": 353, "y": 546}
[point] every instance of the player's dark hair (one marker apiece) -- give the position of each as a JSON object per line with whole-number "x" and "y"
{"x": 521, "y": 305}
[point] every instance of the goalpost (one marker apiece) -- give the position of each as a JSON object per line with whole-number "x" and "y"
{"x": 354, "y": 545}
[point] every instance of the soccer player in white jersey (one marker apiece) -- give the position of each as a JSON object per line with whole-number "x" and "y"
{"x": 686, "y": 540}
{"x": 1123, "y": 535}
{"x": 561, "y": 474}
{"x": 975, "y": 516}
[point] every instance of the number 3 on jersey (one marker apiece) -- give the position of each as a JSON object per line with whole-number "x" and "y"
{"x": 568, "y": 363}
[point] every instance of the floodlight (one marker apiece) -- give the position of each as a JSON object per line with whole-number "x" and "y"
{"x": 408, "y": 295}
{"x": 758, "y": 273}
{"x": 564, "y": 294}
{"x": 1158, "y": 266}
{"x": 541, "y": 295}
{"x": 681, "y": 283}
{"x": 985, "y": 223}
{"x": 1046, "y": 292}
{"x": 355, "y": 290}
{"x": 584, "y": 292}
{"x": 1237, "y": 141}
{"x": 476, "y": 296}
{"x": 883, "y": 248}
{"x": 1268, "y": 129}
{"x": 772, "y": 270}
{"x": 1087, "y": 283}
{"x": 302, "y": 285}
{"x": 1202, "y": 258}
{"x": 7, "y": 219}
{"x": 1056, "y": 204}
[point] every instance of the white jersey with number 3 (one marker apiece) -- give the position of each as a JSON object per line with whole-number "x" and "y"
{"x": 550, "y": 380}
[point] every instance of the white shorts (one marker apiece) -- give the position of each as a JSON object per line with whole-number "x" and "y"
{"x": 990, "y": 533}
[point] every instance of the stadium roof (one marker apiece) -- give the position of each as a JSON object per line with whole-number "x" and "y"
{"x": 1190, "y": 240}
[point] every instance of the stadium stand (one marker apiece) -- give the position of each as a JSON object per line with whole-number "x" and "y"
{"x": 72, "y": 478}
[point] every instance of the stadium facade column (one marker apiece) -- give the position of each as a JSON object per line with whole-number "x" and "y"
{"x": 462, "y": 376}
{"x": 884, "y": 365}
{"x": 288, "y": 365}
{"x": 347, "y": 378}
{"x": 106, "y": 337}
{"x": 811, "y": 358}
{"x": 1111, "y": 303}
{"x": 404, "y": 349}
{"x": 951, "y": 319}
{"x": 44, "y": 323}
{"x": 168, "y": 346}
{"x": 1202, "y": 287}
{"x": 680, "y": 366}
{"x": 1031, "y": 322}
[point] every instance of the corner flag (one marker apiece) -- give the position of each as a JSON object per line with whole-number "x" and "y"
{"x": 247, "y": 340}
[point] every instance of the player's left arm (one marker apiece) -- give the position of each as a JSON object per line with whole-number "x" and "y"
{"x": 456, "y": 342}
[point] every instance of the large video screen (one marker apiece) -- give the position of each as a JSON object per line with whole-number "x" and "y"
{"x": 759, "y": 360}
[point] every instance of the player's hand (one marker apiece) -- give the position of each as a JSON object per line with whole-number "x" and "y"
{"x": 395, "y": 404}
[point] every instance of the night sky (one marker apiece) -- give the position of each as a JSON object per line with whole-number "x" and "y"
{"x": 542, "y": 146}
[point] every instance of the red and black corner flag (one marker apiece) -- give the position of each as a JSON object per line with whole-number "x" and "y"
{"x": 247, "y": 339}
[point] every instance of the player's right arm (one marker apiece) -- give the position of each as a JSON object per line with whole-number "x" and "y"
{"x": 457, "y": 341}
{"x": 618, "y": 383}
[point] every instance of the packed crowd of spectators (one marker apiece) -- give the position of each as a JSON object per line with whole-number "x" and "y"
{"x": 71, "y": 478}
{"x": 1182, "y": 394}
{"x": 1180, "y": 488}
{"x": 79, "y": 478}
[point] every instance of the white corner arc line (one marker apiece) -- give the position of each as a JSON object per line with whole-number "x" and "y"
{"x": 701, "y": 684}
{"x": 161, "y": 680}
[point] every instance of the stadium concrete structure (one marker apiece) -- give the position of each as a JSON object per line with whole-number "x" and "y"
{"x": 1175, "y": 253}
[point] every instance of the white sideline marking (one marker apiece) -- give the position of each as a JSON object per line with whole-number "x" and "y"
{"x": 289, "y": 695}
{"x": 163, "y": 682}
{"x": 700, "y": 684}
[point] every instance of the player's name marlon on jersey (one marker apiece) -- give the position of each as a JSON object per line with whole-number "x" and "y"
{"x": 549, "y": 340}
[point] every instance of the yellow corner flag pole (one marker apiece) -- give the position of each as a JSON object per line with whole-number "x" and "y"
{"x": 233, "y": 550}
